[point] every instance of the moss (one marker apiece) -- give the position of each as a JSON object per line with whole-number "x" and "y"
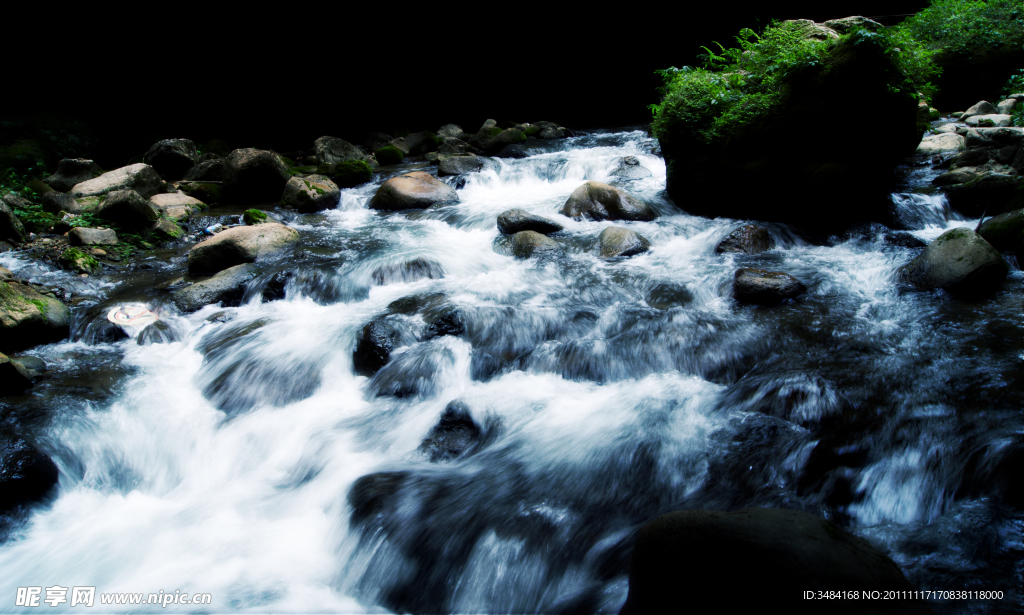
{"x": 489, "y": 133}
{"x": 288, "y": 161}
{"x": 389, "y": 154}
{"x": 530, "y": 131}
{"x": 40, "y": 305}
{"x": 352, "y": 173}
{"x": 253, "y": 217}
{"x": 79, "y": 261}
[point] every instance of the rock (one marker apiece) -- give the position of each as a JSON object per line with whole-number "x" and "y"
{"x": 942, "y": 142}
{"x": 208, "y": 193}
{"x": 11, "y": 228}
{"x": 28, "y": 318}
{"x": 509, "y": 136}
{"x": 445, "y": 320}
{"x": 527, "y": 244}
{"x": 667, "y": 295}
{"x": 79, "y": 262}
{"x": 455, "y": 435}
{"x": 158, "y": 332}
{"x": 488, "y": 124}
{"x": 409, "y": 271}
{"x": 33, "y": 366}
{"x": 1005, "y": 154}
{"x": 992, "y": 192}
{"x": 1005, "y": 232}
{"x": 515, "y": 220}
{"x": 349, "y": 173}
{"x": 459, "y": 165}
{"x": 226, "y": 288}
{"x": 453, "y": 146}
{"x": 974, "y": 157}
{"x": 373, "y": 348}
{"x": 310, "y": 194}
{"x": 551, "y": 133}
{"x": 176, "y": 205}
{"x": 388, "y": 154}
{"x": 629, "y": 168}
{"x": 778, "y": 552}
{"x": 849, "y": 24}
{"x": 975, "y": 138}
{"x": 14, "y": 378}
{"x": 60, "y": 202}
{"x": 1007, "y": 106}
{"x": 1018, "y": 161}
{"x": 252, "y": 217}
{"x": 71, "y": 171}
{"x": 959, "y": 261}
{"x": 449, "y": 130}
{"x": 599, "y": 201}
{"x": 616, "y": 241}
{"x": 810, "y": 30}
{"x": 376, "y": 140}
{"x": 166, "y": 230}
{"x": 512, "y": 151}
{"x": 946, "y": 128}
{"x": 747, "y": 239}
{"x": 141, "y": 178}
{"x": 420, "y": 143}
{"x": 401, "y": 145}
{"x": 373, "y": 494}
{"x": 903, "y": 240}
{"x": 84, "y": 236}
{"x": 207, "y": 171}
{"x": 958, "y": 176}
{"x": 127, "y": 208}
{"x": 981, "y": 108}
{"x": 332, "y": 150}
{"x": 995, "y": 119}
{"x": 417, "y": 190}
{"x": 172, "y": 158}
{"x": 241, "y": 244}
{"x": 254, "y": 176}
{"x": 762, "y": 287}
{"x": 26, "y": 474}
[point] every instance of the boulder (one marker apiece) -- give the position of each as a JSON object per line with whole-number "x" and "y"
{"x": 172, "y": 158}
{"x": 207, "y": 171}
{"x": 28, "y": 318}
{"x": 616, "y": 241}
{"x": 71, "y": 171}
{"x": 455, "y": 435}
{"x": 762, "y": 287}
{"x": 176, "y": 205}
{"x": 668, "y": 295}
{"x": 777, "y": 552}
{"x": 373, "y": 347}
{"x": 226, "y": 288}
{"x": 254, "y": 176}
{"x": 241, "y": 244}
{"x": 128, "y": 209}
{"x": 509, "y": 136}
{"x": 1005, "y": 232}
{"x": 599, "y": 201}
{"x": 60, "y": 202}
{"x": 444, "y": 320}
{"x": 75, "y": 260}
{"x": 453, "y": 146}
{"x": 959, "y": 261}
{"x": 976, "y": 138}
{"x": 459, "y": 165}
{"x": 26, "y": 474}
{"x": 449, "y": 130}
{"x": 416, "y": 190}
{"x": 332, "y": 149}
{"x": 420, "y": 143}
{"x": 629, "y": 168}
{"x": 1007, "y": 106}
{"x": 14, "y": 378}
{"x": 408, "y": 271}
{"x": 957, "y": 176}
{"x": 994, "y": 193}
{"x": 850, "y": 24}
{"x": 11, "y": 228}
{"x": 376, "y": 140}
{"x": 348, "y": 173}
{"x": 551, "y": 133}
{"x": 526, "y": 244}
{"x": 389, "y": 154}
{"x": 995, "y": 119}
{"x": 747, "y": 239}
{"x": 252, "y": 217}
{"x": 512, "y": 151}
{"x": 515, "y": 220}
{"x": 84, "y": 236}
{"x": 974, "y": 157}
{"x": 940, "y": 143}
{"x": 981, "y": 108}
{"x": 312, "y": 193}
{"x": 157, "y": 333}
{"x": 140, "y": 177}
{"x": 207, "y": 192}
{"x": 166, "y": 230}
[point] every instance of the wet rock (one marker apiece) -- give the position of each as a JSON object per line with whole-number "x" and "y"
{"x": 158, "y": 332}
{"x": 140, "y": 177}
{"x": 348, "y": 173}
{"x": 127, "y": 208}
{"x": 33, "y": 366}
{"x": 981, "y": 108}
{"x": 1005, "y": 232}
{"x": 332, "y": 150}
{"x": 242, "y": 244}
{"x": 459, "y": 165}
{"x": 376, "y": 140}
{"x": 226, "y": 288}
{"x": 400, "y": 144}
{"x": 388, "y": 155}
{"x": 206, "y": 171}
{"x": 415, "y": 303}
{"x": 666, "y": 296}
{"x": 747, "y": 239}
{"x": 409, "y": 271}
{"x": 551, "y": 133}
{"x": 1001, "y": 136}
{"x": 616, "y": 241}
{"x": 455, "y": 435}
{"x": 903, "y": 240}
{"x": 71, "y": 171}
{"x": 629, "y": 168}
{"x": 762, "y": 287}
{"x": 515, "y": 220}
{"x": 60, "y": 202}
{"x": 176, "y": 205}
{"x": 599, "y": 201}
{"x": 252, "y": 217}
{"x": 373, "y": 348}
{"x": 11, "y": 228}
{"x": 172, "y": 158}
{"x": 996, "y": 119}
{"x": 811, "y": 30}
{"x": 446, "y": 320}
{"x": 527, "y": 244}
{"x": 414, "y": 372}
{"x": 994, "y": 193}
{"x": 420, "y": 143}
{"x": 28, "y": 318}
{"x": 509, "y": 136}
{"x": 512, "y": 151}
{"x": 207, "y": 192}
{"x": 254, "y": 176}
{"x": 451, "y": 146}
{"x": 957, "y": 176}
{"x": 83, "y": 236}
{"x": 417, "y": 190}
{"x": 166, "y": 230}
{"x": 276, "y": 287}
{"x": 942, "y": 142}
{"x": 310, "y": 194}
{"x": 79, "y": 262}
{"x": 26, "y": 474}
{"x": 975, "y": 138}
{"x": 14, "y": 378}
{"x": 778, "y": 552}
{"x": 371, "y": 495}
{"x": 959, "y": 261}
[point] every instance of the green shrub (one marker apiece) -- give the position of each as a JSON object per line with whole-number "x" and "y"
{"x": 253, "y": 217}
{"x": 351, "y": 173}
{"x": 965, "y": 26}
{"x": 389, "y": 154}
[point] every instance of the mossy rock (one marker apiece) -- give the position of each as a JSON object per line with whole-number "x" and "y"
{"x": 253, "y": 217}
{"x": 351, "y": 173}
{"x": 205, "y": 192}
{"x": 531, "y": 131}
{"x": 388, "y": 155}
{"x": 76, "y": 260}
{"x": 28, "y": 318}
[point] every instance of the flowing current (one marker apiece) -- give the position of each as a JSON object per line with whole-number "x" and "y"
{"x": 607, "y": 392}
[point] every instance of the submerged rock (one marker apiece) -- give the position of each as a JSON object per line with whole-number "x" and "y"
{"x": 527, "y": 244}
{"x": 373, "y": 348}
{"x": 959, "y": 261}
{"x": 455, "y": 435}
{"x": 28, "y": 318}
{"x": 447, "y": 320}
{"x": 417, "y": 190}
{"x": 778, "y": 552}
{"x": 172, "y": 158}
{"x": 371, "y": 495}
{"x": 158, "y": 332}
{"x": 409, "y": 271}
{"x": 1005, "y": 232}
{"x": 629, "y": 168}
{"x": 71, "y": 171}
{"x": 765, "y": 287}
{"x": 241, "y": 244}
{"x": 616, "y": 241}
{"x": 513, "y": 221}
{"x": 226, "y": 288}
{"x": 747, "y": 239}
{"x": 140, "y": 178}
{"x": 599, "y": 201}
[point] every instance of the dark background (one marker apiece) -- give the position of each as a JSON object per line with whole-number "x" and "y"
{"x": 280, "y": 76}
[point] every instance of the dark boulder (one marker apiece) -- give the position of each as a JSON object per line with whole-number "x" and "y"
{"x": 408, "y": 271}
{"x": 14, "y": 378}
{"x": 762, "y": 287}
{"x": 527, "y": 244}
{"x": 450, "y": 131}
{"x": 514, "y": 220}
{"x": 496, "y": 143}
{"x": 372, "y": 494}
{"x": 959, "y": 261}
{"x": 376, "y": 140}
{"x": 172, "y": 158}
{"x": 994, "y": 193}
{"x": 71, "y": 171}
{"x": 85, "y": 236}
{"x": 459, "y": 164}
{"x": 128, "y": 209}
{"x": 599, "y": 201}
{"x": 420, "y": 143}
{"x": 747, "y": 239}
{"x": 903, "y": 240}
{"x": 389, "y": 154}
{"x": 254, "y": 176}
{"x": 348, "y": 173}
{"x": 226, "y": 287}
{"x": 158, "y": 332}
{"x": 416, "y": 190}
{"x": 667, "y": 295}
{"x": 373, "y": 347}
{"x": 1005, "y": 232}
{"x": 60, "y": 202}
{"x": 207, "y": 171}
{"x": 512, "y": 151}
{"x": 26, "y": 474}
{"x": 444, "y": 320}
{"x": 11, "y": 228}
{"x": 455, "y": 435}
{"x": 332, "y": 150}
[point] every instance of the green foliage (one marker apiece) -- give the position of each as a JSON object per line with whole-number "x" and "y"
{"x": 19, "y": 182}
{"x": 1015, "y": 84}
{"x": 966, "y": 27}
{"x": 389, "y": 154}
{"x": 253, "y": 217}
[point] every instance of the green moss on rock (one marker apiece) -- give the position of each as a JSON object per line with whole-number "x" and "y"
{"x": 76, "y": 260}
{"x": 388, "y": 155}
{"x": 351, "y": 173}
{"x": 253, "y": 217}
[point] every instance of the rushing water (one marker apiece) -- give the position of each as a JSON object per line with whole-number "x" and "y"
{"x": 608, "y": 391}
